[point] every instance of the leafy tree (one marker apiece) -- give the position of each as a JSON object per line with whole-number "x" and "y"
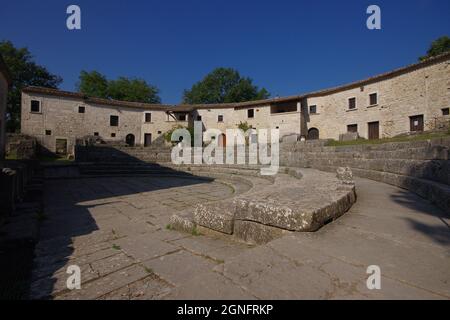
{"x": 24, "y": 72}
{"x": 438, "y": 46}
{"x": 224, "y": 85}
{"x": 93, "y": 84}
{"x": 133, "y": 90}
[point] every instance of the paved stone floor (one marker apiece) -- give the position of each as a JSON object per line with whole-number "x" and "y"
{"x": 114, "y": 229}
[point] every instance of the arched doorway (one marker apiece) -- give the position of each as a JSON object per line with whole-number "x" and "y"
{"x": 313, "y": 134}
{"x": 222, "y": 140}
{"x": 129, "y": 139}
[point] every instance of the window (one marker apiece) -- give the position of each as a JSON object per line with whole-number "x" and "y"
{"x": 182, "y": 117}
{"x": 81, "y": 109}
{"x": 35, "y": 106}
{"x": 352, "y": 103}
{"x": 113, "y": 135}
{"x": 373, "y": 99}
{"x": 48, "y": 132}
{"x": 284, "y": 107}
{"x": 148, "y": 117}
{"x": 220, "y": 118}
{"x": 250, "y": 113}
{"x": 199, "y": 118}
{"x": 352, "y": 128}
{"x": 445, "y": 111}
{"x": 312, "y": 109}
{"x": 96, "y": 134}
{"x": 114, "y": 121}
{"x": 159, "y": 132}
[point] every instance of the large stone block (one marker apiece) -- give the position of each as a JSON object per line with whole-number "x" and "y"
{"x": 218, "y": 216}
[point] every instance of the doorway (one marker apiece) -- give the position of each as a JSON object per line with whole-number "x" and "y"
{"x": 416, "y": 123}
{"x": 147, "y": 139}
{"x": 129, "y": 139}
{"x": 222, "y": 140}
{"x": 61, "y": 147}
{"x": 374, "y": 130}
{"x": 313, "y": 134}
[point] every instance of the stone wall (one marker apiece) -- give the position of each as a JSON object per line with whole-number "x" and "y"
{"x": 422, "y": 167}
{"x": 19, "y": 146}
{"x": 423, "y": 91}
{"x": 59, "y": 118}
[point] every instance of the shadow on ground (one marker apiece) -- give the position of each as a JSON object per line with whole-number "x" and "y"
{"x": 69, "y": 217}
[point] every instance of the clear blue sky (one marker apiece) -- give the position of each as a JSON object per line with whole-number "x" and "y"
{"x": 289, "y": 47}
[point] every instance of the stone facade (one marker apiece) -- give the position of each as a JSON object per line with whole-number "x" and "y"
{"x": 60, "y": 118}
{"x": 388, "y": 101}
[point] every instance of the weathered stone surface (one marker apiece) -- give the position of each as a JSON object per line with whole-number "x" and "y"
{"x": 345, "y": 175}
{"x": 218, "y": 216}
{"x": 256, "y": 233}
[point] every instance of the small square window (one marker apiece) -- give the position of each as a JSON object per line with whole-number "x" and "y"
{"x": 199, "y": 118}
{"x": 182, "y": 117}
{"x": 48, "y": 132}
{"x": 250, "y": 113}
{"x": 148, "y": 117}
{"x": 35, "y": 106}
{"x": 312, "y": 109}
{"x": 113, "y": 135}
{"x": 159, "y": 132}
{"x": 114, "y": 121}
{"x": 96, "y": 134}
{"x": 352, "y": 103}
{"x": 352, "y": 128}
{"x": 445, "y": 111}
{"x": 373, "y": 99}
{"x": 220, "y": 118}
{"x": 81, "y": 109}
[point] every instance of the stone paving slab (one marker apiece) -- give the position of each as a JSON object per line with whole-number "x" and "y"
{"x": 125, "y": 251}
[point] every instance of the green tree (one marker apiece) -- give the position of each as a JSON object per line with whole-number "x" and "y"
{"x": 224, "y": 85}
{"x": 93, "y": 84}
{"x": 24, "y": 72}
{"x": 438, "y": 46}
{"x": 133, "y": 90}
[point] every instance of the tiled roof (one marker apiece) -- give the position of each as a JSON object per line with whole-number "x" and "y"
{"x": 188, "y": 107}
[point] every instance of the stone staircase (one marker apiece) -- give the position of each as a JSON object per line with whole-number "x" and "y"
{"x": 422, "y": 167}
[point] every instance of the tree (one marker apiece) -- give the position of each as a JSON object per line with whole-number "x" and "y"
{"x": 93, "y": 84}
{"x": 24, "y": 72}
{"x": 438, "y": 46}
{"x": 133, "y": 90}
{"x": 224, "y": 85}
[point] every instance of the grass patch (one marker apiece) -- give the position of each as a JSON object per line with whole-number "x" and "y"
{"x": 148, "y": 270}
{"x": 56, "y": 159}
{"x": 169, "y": 227}
{"x": 195, "y": 232}
{"x": 418, "y": 137}
{"x": 116, "y": 247}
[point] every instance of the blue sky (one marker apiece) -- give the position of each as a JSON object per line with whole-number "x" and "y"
{"x": 289, "y": 47}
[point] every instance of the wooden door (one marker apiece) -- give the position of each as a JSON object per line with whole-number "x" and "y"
{"x": 147, "y": 139}
{"x": 374, "y": 130}
{"x": 416, "y": 123}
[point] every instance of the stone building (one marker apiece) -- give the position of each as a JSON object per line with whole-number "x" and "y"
{"x": 410, "y": 99}
{"x": 5, "y": 83}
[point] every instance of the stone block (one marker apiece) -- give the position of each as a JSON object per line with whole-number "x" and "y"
{"x": 216, "y": 215}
